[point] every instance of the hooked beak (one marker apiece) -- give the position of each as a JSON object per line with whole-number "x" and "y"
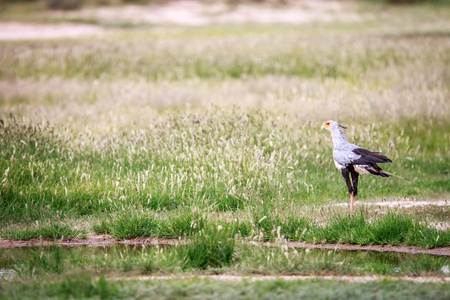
{"x": 324, "y": 126}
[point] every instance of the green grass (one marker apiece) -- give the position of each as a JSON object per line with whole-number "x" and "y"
{"x": 164, "y": 179}
{"x": 211, "y": 248}
{"x": 137, "y": 224}
{"x": 179, "y": 165}
{"x": 363, "y": 228}
{"x": 93, "y": 288}
{"x": 392, "y": 229}
{"x": 53, "y": 231}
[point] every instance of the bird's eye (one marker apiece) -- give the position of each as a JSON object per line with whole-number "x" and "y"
{"x": 327, "y": 123}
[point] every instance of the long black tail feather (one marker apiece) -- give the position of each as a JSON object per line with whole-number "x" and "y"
{"x": 374, "y": 169}
{"x": 377, "y": 171}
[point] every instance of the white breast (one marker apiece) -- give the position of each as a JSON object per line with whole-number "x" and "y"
{"x": 338, "y": 166}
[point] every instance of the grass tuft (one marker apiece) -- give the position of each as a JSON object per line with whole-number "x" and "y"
{"x": 210, "y": 248}
{"x": 363, "y": 229}
{"x": 53, "y": 231}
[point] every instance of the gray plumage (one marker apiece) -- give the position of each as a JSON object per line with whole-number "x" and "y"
{"x": 346, "y": 154}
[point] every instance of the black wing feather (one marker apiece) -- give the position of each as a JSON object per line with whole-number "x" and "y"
{"x": 369, "y": 157}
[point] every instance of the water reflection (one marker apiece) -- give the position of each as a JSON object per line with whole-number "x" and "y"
{"x": 120, "y": 257}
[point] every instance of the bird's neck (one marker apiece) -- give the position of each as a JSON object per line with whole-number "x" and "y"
{"x": 338, "y": 138}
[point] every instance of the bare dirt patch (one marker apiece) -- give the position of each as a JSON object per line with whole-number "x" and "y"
{"x": 105, "y": 240}
{"x": 14, "y": 31}
{"x": 292, "y": 277}
{"x": 400, "y": 203}
{"x": 442, "y": 251}
{"x": 195, "y": 13}
{"x": 184, "y": 13}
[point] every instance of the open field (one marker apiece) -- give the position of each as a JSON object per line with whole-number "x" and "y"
{"x": 211, "y": 133}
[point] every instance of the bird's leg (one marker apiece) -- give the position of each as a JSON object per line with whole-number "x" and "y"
{"x": 352, "y": 201}
{"x": 355, "y": 188}
{"x": 346, "y": 174}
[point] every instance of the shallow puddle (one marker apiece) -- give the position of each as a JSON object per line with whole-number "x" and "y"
{"x": 126, "y": 258}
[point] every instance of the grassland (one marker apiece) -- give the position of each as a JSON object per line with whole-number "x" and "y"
{"x": 214, "y": 132}
{"x": 214, "y": 135}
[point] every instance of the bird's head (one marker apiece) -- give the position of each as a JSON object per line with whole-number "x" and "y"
{"x": 330, "y": 125}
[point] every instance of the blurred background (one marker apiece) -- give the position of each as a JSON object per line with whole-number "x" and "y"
{"x": 66, "y": 60}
